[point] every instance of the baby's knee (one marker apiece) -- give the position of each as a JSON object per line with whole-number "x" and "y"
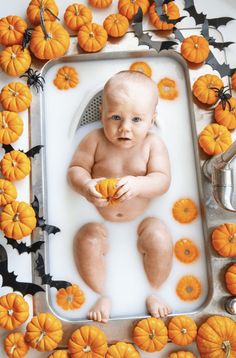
{"x": 92, "y": 234}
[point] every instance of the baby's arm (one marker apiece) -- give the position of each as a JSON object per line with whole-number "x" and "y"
{"x": 80, "y": 169}
{"x": 157, "y": 180}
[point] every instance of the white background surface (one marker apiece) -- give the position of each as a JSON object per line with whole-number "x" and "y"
{"x": 21, "y": 264}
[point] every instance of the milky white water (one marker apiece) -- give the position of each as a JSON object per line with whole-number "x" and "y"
{"x": 126, "y": 281}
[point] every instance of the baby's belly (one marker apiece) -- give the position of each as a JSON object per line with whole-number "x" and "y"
{"x": 125, "y": 211}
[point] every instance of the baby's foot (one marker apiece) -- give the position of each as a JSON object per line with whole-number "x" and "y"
{"x": 156, "y": 307}
{"x": 100, "y": 312}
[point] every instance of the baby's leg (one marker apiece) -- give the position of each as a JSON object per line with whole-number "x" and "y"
{"x": 155, "y": 244}
{"x": 90, "y": 249}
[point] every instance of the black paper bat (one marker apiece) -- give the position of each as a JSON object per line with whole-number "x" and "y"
{"x": 41, "y": 222}
{"x": 145, "y": 38}
{"x": 200, "y": 17}
{"x": 22, "y": 247}
{"x": 30, "y": 154}
{"x": 9, "y": 278}
{"x": 223, "y": 69}
{"x": 164, "y": 17}
{"x": 211, "y": 40}
{"x": 47, "y": 278}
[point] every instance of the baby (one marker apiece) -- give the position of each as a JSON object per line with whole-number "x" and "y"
{"x": 124, "y": 149}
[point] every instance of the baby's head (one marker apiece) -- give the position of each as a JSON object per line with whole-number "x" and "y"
{"x": 128, "y": 107}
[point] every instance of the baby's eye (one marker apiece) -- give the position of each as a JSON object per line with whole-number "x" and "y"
{"x": 136, "y": 119}
{"x": 115, "y": 117}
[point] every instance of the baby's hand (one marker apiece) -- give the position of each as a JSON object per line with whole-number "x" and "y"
{"x": 92, "y": 195}
{"x": 128, "y": 188}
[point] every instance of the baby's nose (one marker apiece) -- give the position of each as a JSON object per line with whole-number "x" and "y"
{"x": 124, "y": 126}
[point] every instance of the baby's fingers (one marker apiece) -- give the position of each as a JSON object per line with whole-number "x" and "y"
{"x": 94, "y": 192}
{"x": 121, "y": 191}
{"x": 101, "y": 203}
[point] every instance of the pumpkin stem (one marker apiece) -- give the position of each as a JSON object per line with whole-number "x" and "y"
{"x": 87, "y": 349}
{"x": 226, "y": 346}
{"x": 15, "y": 94}
{"x": 13, "y": 348}
{"x": 4, "y": 123}
{"x": 47, "y": 9}
{"x": 16, "y": 217}
{"x": 43, "y": 334}
{"x": 152, "y": 334}
{"x": 43, "y": 26}
{"x": 184, "y": 330}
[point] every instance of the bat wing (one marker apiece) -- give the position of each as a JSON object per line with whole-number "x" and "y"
{"x": 60, "y": 284}
{"x": 190, "y": 8}
{"x": 174, "y": 22}
{"x": 218, "y": 21}
{"x": 220, "y": 45}
{"x": 33, "y": 151}
{"x": 22, "y": 247}
{"x": 50, "y": 229}
{"x": 7, "y": 147}
{"x": 223, "y": 69}
{"x": 178, "y": 34}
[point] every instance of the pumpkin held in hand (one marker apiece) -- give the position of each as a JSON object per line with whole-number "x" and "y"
{"x": 170, "y": 9}
{"x": 8, "y": 192}
{"x": 92, "y": 37}
{"x": 12, "y": 29}
{"x": 44, "y": 332}
{"x": 182, "y": 330}
{"x": 215, "y": 139}
{"x": 11, "y": 127}
{"x": 77, "y": 15}
{"x": 122, "y": 350}
{"x": 106, "y": 187}
{"x": 224, "y": 239}
{"x": 15, "y": 345}
{"x": 217, "y": 338}
{"x": 116, "y": 25}
{"x": 15, "y": 165}
{"x": 205, "y": 88}
{"x": 15, "y": 97}
{"x": 195, "y": 49}
{"x": 48, "y": 8}
{"x": 129, "y": 8}
{"x": 226, "y": 116}
{"x": 150, "y": 334}
{"x": 14, "y": 311}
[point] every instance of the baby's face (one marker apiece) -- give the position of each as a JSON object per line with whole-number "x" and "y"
{"x": 127, "y": 114}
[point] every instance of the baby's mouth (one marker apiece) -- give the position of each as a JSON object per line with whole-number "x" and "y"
{"x": 124, "y": 139}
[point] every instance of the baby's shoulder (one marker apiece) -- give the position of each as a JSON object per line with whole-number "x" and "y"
{"x": 153, "y": 139}
{"x": 95, "y": 135}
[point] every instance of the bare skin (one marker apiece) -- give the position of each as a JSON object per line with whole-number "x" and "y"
{"x": 125, "y": 149}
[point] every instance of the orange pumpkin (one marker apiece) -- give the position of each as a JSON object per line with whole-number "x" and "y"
{"x": 116, "y": 25}
{"x": 230, "y": 279}
{"x": 217, "y": 338}
{"x": 122, "y": 350}
{"x": 49, "y": 40}
{"x": 141, "y": 67}
{"x": 100, "y": 4}
{"x": 171, "y": 10}
{"x": 15, "y": 97}
{"x": 184, "y": 210}
{"x": 233, "y": 81}
{"x": 106, "y": 187}
{"x": 182, "y": 354}
{"x": 66, "y": 77}
{"x": 150, "y": 334}
{"x": 186, "y": 251}
{"x": 44, "y": 332}
{"x": 11, "y": 127}
{"x": 87, "y": 341}
{"x": 70, "y": 298}
{"x": 8, "y": 192}
{"x": 195, "y": 49}
{"x": 226, "y": 117}
{"x": 205, "y": 88}
{"x": 224, "y": 239}
{"x": 129, "y": 8}
{"x": 15, "y": 345}
{"x": 14, "y": 60}
{"x": 167, "y": 88}
{"x": 77, "y": 15}
{"x": 59, "y": 354}
{"x": 12, "y": 29}
{"x": 182, "y": 330}
{"x": 215, "y": 139}
{"x": 188, "y": 288}
{"x": 15, "y": 165}
{"x": 17, "y": 220}
{"x": 92, "y": 37}
{"x": 48, "y": 7}
{"x": 14, "y": 311}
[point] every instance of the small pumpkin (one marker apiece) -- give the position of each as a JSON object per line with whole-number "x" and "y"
{"x": 15, "y": 165}
{"x": 182, "y": 330}
{"x": 15, "y": 345}
{"x": 233, "y": 81}
{"x": 215, "y": 139}
{"x": 186, "y": 251}
{"x": 195, "y": 49}
{"x": 167, "y": 88}
{"x": 188, "y": 288}
{"x": 170, "y": 9}
{"x": 70, "y": 298}
{"x": 182, "y": 354}
{"x": 230, "y": 279}
{"x": 129, "y": 8}
{"x": 92, "y": 37}
{"x": 217, "y": 338}
{"x": 205, "y": 88}
{"x": 66, "y": 77}
{"x": 141, "y": 66}
{"x": 15, "y": 60}
{"x": 116, "y": 25}
{"x": 122, "y": 350}
{"x": 15, "y": 97}
{"x": 59, "y": 354}
{"x": 150, "y": 334}
{"x": 226, "y": 116}
{"x": 100, "y": 4}
{"x": 77, "y": 15}
{"x": 12, "y": 29}
{"x": 48, "y": 8}
{"x": 17, "y": 220}
{"x": 184, "y": 210}
{"x": 107, "y": 188}
{"x": 14, "y": 311}
{"x": 11, "y": 127}
{"x": 224, "y": 239}
{"x": 44, "y": 332}
{"x": 87, "y": 341}
{"x": 8, "y": 192}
